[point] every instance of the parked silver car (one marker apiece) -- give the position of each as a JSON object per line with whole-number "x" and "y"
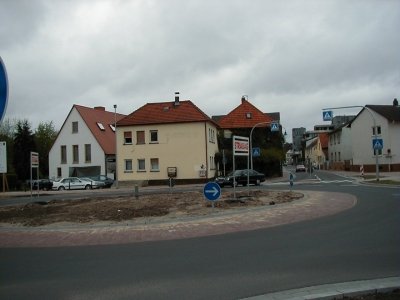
{"x": 71, "y": 183}
{"x": 95, "y": 184}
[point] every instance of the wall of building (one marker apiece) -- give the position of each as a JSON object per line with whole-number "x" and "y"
{"x": 67, "y": 138}
{"x": 190, "y": 147}
{"x": 362, "y": 136}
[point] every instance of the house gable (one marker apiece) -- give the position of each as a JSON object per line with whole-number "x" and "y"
{"x": 246, "y": 115}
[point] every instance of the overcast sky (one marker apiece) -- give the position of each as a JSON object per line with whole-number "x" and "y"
{"x": 292, "y": 57}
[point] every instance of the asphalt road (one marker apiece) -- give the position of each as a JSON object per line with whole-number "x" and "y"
{"x": 360, "y": 243}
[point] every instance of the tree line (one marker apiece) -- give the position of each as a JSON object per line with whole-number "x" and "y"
{"x": 21, "y": 140}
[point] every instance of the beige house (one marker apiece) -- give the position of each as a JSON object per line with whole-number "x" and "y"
{"x": 316, "y": 150}
{"x": 167, "y": 139}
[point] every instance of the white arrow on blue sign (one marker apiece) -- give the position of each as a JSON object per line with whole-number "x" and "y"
{"x": 327, "y": 115}
{"x": 212, "y": 191}
{"x": 274, "y": 127}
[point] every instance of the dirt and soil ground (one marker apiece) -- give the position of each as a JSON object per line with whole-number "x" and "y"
{"x": 117, "y": 209}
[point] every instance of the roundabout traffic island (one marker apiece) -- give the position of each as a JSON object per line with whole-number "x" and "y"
{"x": 121, "y": 220}
{"x": 118, "y": 209}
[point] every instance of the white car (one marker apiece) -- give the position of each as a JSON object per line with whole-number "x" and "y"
{"x": 71, "y": 183}
{"x": 95, "y": 184}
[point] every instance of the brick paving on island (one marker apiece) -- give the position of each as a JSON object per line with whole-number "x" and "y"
{"x": 313, "y": 205}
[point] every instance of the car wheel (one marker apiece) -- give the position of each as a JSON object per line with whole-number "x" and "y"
{"x": 61, "y": 188}
{"x": 88, "y": 187}
{"x": 258, "y": 182}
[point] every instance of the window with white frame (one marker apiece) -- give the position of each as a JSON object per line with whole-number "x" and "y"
{"x": 141, "y": 167}
{"x": 154, "y": 164}
{"x": 88, "y": 153}
{"x": 75, "y": 127}
{"x": 63, "y": 154}
{"x": 128, "y": 165}
{"x": 75, "y": 154}
{"x": 378, "y": 151}
{"x": 378, "y": 130}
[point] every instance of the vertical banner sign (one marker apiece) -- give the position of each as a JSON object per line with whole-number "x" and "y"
{"x": 240, "y": 148}
{"x": 35, "y": 164}
{"x": 3, "y": 157}
{"x": 3, "y": 89}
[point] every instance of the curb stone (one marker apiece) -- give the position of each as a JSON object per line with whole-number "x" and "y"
{"x": 335, "y": 291}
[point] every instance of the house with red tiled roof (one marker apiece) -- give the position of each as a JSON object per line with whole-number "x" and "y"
{"x": 166, "y": 139}
{"x": 246, "y": 115}
{"x": 85, "y": 145}
{"x": 316, "y": 151}
{"x": 246, "y": 120}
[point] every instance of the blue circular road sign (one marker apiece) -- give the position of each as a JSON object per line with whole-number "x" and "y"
{"x": 3, "y": 90}
{"x": 212, "y": 191}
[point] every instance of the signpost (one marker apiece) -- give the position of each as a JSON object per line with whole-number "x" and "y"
{"x": 240, "y": 148}
{"x": 3, "y": 162}
{"x": 212, "y": 192}
{"x": 35, "y": 164}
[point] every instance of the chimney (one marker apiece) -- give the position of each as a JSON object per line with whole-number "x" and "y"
{"x": 395, "y": 102}
{"x": 102, "y": 108}
{"x": 176, "y": 103}
{"x": 244, "y": 98}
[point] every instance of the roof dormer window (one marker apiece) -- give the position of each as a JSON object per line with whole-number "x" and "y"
{"x": 101, "y": 126}
{"x": 112, "y": 127}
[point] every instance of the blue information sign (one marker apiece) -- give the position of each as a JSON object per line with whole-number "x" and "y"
{"x": 327, "y": 115}
{"x": 256, "y": 152}
{"x": 274, "y": 127}
{"x": 377, "y": 144}
{"x": 3, "y": 90}
{"x": 212, "y": 191}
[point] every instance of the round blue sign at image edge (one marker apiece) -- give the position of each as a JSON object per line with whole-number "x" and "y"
{"x": 3, "y": 89}
{"x": 212, "y": 191}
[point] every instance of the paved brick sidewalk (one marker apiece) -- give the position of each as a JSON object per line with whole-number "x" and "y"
{"x": 313, "y": 205}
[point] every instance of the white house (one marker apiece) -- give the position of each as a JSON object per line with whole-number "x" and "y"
{"x": 386, "y": 132}
{"x": 85, "y": 145}
{"x": 340, "y": 148}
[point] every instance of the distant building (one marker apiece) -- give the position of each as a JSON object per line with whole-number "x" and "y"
{"x": 387, "y": 131}
{"x": 240, "y": 121}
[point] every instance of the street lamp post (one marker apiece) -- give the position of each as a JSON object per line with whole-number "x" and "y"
{"x": 375, "y": 132}
{"x": 250, "y": 158}
{"x": 116, "y": 145}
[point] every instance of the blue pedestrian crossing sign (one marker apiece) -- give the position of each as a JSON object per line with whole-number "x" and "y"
{"x": 256, "y": 152}
{"x": 377, "y": 144}
{"x": 274, "y": 127}
{"x": 327, "y": 115}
